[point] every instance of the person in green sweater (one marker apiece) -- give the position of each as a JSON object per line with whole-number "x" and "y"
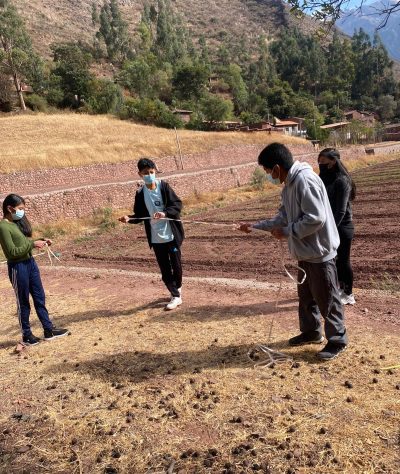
{"x": 17, "y": 245}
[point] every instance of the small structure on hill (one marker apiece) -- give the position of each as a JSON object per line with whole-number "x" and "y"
{"x": 391, "y": 132}
{"x": 367, "y": 118}
{"x": 184, "y": 115}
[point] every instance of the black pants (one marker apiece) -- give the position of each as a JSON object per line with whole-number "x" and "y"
{"x": 319, "y": 295}
{"x": 343, "y": 265}
{"x": 170, "y": 262}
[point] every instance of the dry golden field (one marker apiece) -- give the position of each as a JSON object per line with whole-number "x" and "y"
{"x": 61, "y": 140}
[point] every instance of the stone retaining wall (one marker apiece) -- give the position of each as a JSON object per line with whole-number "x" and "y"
{"x": 47, "y": 179}
{"x": 384, "y": 149}
{"x": 82, "y": 200}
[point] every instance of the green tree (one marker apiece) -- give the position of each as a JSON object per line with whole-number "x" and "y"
{"x": 216, "y": 109}
{"x": 114, "y": 31}
{"x": 233, "y": 76}
{"x": 190, "y": 81}
{"x": 145, "y": 77}
{"x": 340, "y": 67}
{"x": 105, "y": 97}
{"x": 386, "y": 107}
{"x": 151, "y": 111}
{"x": 5, "y": 93}
{"x": 16, "y": 54}
{"x": 71, "y": 72}
{"x": 373, "y": 67}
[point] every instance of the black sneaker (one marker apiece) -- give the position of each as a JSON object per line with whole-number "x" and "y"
{"x": 30, "y": 340}
{"x": 49, "y": 335}
{"x": 331, "y": 350}
{"x": 306, "y": 338}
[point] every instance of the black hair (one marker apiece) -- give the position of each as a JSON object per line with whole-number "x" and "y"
{"x": 144, "y": 163}
{"x": 14, "y": 200}
{"x": 334, "y": 155}
{"x": 276, "y": 154}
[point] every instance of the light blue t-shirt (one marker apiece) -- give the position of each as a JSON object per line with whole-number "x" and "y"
{"x": 161, "y": 231}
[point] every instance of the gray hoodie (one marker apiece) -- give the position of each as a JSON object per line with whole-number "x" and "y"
{"x": 306, "y": 216}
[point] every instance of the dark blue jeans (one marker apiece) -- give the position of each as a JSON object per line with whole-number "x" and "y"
{"x": 25, "y": 279}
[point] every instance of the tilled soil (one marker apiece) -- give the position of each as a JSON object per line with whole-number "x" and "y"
{"x": 224, "y": 252}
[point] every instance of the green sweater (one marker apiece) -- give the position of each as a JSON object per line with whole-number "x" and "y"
{"x": 16, "y": 247}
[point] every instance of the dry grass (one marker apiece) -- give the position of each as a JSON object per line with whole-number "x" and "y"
{"x": 369, "y": 160}
{"x": 61, "y": 140}
{"x": 136, "y": 390}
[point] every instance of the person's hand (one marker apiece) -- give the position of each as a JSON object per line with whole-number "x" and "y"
{"x": 159, "y": 215}
{"x": 39, "y": 244}
{"x": 48, "y": 241}
{"x": 245, "y": 227}
{"x": 124, "y": 219}
{"x": 278, "y": 233}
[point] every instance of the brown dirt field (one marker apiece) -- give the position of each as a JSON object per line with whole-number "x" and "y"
{"x": 137, "y": 390}
{"x": 223, "y": 252}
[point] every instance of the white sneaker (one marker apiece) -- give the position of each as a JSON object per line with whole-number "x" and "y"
{"x": 174, "y": 303}
{"x": 348, "y": 299}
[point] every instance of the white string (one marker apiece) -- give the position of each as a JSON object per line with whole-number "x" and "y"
{"x": 50, "y": 254}
{"x": 274, "y": 357}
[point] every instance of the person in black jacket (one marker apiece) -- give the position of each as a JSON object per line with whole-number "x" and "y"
{"x": 341, "y": 192}
{"x": 156, "y": 199}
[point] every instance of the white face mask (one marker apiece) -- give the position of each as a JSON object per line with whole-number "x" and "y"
{"x": 272, "y": 180}
{"x": 18, "y": 214}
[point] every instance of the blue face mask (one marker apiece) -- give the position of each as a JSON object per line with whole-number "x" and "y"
{"x": 18, "y": 214}
{"x": 272, "y": 180}
{"x": 149, "y": 178}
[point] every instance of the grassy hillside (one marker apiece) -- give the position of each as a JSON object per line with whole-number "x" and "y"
{"x": 67, "y": 20}
{"x": 43, "y": 141}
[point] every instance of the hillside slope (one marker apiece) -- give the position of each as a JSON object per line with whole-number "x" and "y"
{"x": 67, "y": 20}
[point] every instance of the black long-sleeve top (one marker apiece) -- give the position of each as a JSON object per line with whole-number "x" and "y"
{"x": 338, "y": 188}
{"x": 172, "y": 209}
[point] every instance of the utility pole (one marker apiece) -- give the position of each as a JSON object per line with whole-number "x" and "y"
{"x": 179, "y": 147}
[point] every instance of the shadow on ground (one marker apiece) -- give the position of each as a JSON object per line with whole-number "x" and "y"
{"x": 141, "y": 366}
{"x": 184, "y": 314}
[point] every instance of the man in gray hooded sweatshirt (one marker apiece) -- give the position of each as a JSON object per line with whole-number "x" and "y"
{"x": 305, "y": 219}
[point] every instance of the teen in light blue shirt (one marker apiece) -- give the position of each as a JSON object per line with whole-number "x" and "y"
{"x": 161, "y": 231}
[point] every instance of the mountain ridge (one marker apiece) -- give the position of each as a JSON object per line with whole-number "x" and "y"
{"x": 368, "y": 19}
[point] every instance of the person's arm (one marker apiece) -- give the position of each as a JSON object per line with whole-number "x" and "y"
{"x": 280, "y": 220}
{"x": 173, "y": 206}
{"x": 313, "y": 213}
{"x": 9, "y": 247}
{"x": 341, "y": 199}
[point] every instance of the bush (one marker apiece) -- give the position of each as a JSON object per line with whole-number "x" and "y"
{"x": 150, "y": 111}
{"x": 103, "y": 217}
{"x": 258, "y": 179}
{"x": 105, "y": 97}
{"x": 36, "y": 103}
{"x": 216, "y": 109}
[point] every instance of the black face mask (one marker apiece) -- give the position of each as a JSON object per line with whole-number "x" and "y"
{"x": 323, "y": 168}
